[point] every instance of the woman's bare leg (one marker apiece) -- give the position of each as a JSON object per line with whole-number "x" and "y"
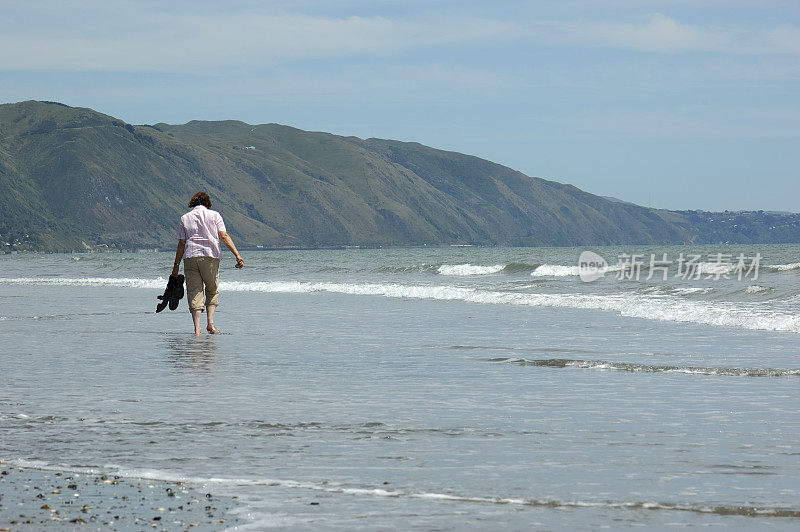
{"x": 210, "y": 316}
{"x": 196, "y": 316}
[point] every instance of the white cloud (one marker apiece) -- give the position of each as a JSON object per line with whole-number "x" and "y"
{"x": 92, "y": 35}
{"x": 659, "y": 33}
{"x": 172, "y": 42}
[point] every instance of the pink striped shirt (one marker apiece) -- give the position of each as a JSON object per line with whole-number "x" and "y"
{"x": 200, "y": 229}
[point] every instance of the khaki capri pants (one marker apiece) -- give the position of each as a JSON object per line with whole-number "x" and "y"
{"x": 200, "y": 271}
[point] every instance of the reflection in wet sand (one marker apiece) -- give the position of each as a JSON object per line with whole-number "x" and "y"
{"x": 194, "y": 353}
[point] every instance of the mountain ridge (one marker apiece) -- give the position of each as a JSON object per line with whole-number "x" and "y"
{"x": 77, "y": 179}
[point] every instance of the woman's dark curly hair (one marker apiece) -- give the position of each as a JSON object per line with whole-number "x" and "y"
{"x": 201, "y": 198}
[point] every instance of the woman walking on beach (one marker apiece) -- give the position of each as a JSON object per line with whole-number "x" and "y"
{"x": 199, "y": 235}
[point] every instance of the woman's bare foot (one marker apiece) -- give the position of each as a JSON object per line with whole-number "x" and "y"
{"x": 210, "y": 310}
{"x": 198, "y": 327}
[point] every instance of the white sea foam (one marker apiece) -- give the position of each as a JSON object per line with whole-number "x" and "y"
{"x": 692, "y": 290}
{"x": 121, "y": 282}
{"x": 660, "y": 307}
{"x": 46, "y": 466}
{"x": 558, "y": 270}
{"x": 785, "y": 267}
{"x": 707, "y": 269}
{"x": 555, "y": 270}
{"x": 723, "y": 371}
{"x": 683, "y": 290}
{"x": 469, "y": 269}
{"x": 337, "y": 488}
{"x": 710, "y": 268}
{"x": 333, "y": 487}
{"x": 757, "y": 289}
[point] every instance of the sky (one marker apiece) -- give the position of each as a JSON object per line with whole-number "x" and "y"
{"x": 684, "y": 104}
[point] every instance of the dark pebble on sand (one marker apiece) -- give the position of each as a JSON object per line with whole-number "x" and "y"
{"x": 100, "y": 500}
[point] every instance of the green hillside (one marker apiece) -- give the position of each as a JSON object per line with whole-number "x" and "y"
{"x": 75, "y": 177}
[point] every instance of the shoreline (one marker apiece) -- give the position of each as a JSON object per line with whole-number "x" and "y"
{"x": 36, "y": 499}
{"x": 362, "y": 247}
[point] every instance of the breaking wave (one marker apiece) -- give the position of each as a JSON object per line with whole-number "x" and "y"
{"x": 649, "y": 368}
{"x": 383, "y": 492}
{"x": 459, "y": 270}
{"x": 472, "y": 269}
{"x": 710, "y": 269}
{"x": 121, "y": 282}
{"x": 705, "y": 270}
{"x": 417, "y": 268}
{"x": 662, "y": 308}
{"x": 555, "y": 270}
{"x": 520, "y": 267}
{"x": 659, "y": 307}
{"x": 682, "y": 290}
{"x": 757, "y": 289}
{"x": 469, "y": 269}
{"x": 558, "y": 270}
{"x": 783, "y": 267}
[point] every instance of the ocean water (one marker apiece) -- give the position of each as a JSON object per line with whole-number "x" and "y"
{"x": 422, "y": 389}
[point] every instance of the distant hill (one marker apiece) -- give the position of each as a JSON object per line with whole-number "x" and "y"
{"x": 744, "y": 227}
{"x": 615, "y": 200}
{"x": 74, "y": 178}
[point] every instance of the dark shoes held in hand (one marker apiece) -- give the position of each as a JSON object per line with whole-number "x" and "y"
{"x": 173, "y": 293}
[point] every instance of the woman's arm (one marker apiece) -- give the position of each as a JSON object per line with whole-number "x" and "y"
{"x": 178, "y": 257}
{"x": 226, "y": 239}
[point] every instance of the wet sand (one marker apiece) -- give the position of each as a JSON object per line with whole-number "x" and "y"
{"x": 33, "y": 499}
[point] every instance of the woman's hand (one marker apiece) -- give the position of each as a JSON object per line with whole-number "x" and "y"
{"x": 228, "y": 241}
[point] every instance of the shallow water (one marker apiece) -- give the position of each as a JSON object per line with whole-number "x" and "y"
{"x": 423, "y": 388}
